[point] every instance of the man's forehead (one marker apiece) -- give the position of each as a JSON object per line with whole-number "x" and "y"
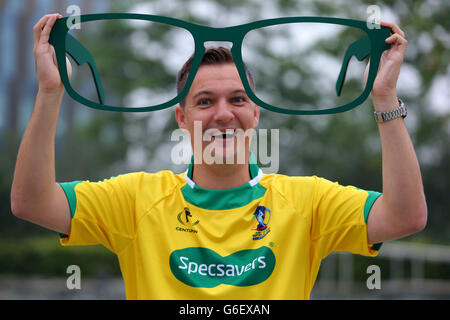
{"x": 216, "y": 77}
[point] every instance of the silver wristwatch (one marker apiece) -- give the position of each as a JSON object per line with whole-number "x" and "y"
{"x": 393, "y": 114}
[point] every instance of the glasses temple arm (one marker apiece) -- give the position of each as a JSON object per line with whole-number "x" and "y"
{"x": 81, "y": 55}
{"x": 360, "y": 49}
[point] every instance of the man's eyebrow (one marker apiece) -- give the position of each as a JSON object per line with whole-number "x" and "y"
{"x": 206, "y": 92}
{"x": 203, "y": 92}
{"x": 239, "y": 91}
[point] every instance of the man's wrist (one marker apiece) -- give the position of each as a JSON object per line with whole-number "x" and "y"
{"x": 53, "y": 95}
{"x": 385, "y": 104}
{"x": 48, "y": 102}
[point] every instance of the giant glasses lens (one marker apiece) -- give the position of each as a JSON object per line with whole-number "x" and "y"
{"x": 127, "y": 63}
{"x": 307, "y": 66}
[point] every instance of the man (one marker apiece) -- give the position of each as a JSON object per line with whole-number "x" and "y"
{"x": 218, "y": 252}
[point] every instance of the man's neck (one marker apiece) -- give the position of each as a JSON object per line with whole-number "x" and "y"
{"x": 220, "y": 176}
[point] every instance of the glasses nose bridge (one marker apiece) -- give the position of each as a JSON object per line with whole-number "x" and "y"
{"x": 228, "y": 34}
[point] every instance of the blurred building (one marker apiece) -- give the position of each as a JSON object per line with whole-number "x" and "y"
{"x": 18, "y": 83}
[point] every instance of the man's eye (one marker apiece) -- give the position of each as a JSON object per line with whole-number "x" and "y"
{"x": 204, "y": 102}
{"x": 238, "y": 99}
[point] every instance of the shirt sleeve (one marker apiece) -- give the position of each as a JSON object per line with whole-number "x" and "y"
{"x": 102, "y": 212}
{"x": 340, "y": 219}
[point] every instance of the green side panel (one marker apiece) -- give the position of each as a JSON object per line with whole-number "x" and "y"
{"x": 191, "y": 168}
{"x": 377, "y": 246}
{"x": 253, "y": 165}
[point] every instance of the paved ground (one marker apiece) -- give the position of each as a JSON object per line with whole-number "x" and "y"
{"x": 56, "y": 288}
{"x": 31, "y": 288}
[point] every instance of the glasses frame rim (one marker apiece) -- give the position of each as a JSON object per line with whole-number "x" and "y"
{"x": 233, "y": 34}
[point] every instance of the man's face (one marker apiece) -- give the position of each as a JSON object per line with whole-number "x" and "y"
{"x": 217, "y": 100}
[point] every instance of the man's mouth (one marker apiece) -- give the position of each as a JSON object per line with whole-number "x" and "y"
{"x": 227, "y": 135}
{"x": 223, "y": 135}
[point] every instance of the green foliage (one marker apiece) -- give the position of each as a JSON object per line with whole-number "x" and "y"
{"x": 45, "y": 256}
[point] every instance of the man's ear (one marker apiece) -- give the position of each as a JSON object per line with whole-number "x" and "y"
{"x": 180, "y": 117}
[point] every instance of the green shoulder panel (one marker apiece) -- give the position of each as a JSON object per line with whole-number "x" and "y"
{"x": 69, "y": 190}
{"x": 373, "y": 195}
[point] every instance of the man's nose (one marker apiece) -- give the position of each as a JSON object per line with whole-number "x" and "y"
{"x": 223, "y": 111}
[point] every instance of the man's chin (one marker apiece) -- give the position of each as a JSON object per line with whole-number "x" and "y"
{"x": 225, "y": 155}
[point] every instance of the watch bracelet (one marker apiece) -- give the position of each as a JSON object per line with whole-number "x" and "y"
{"x": 398, "y": 112}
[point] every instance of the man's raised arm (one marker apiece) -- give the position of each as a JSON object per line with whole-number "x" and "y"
{"x": 35, "y": 195}
{"x": 402, "y": 209}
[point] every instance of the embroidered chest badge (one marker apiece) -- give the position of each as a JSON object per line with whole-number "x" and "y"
{"x": 261, "y": 226}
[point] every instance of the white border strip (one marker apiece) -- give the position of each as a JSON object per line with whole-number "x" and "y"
{"x": 189, "y": 181}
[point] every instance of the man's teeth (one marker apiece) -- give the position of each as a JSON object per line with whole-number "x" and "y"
{"x": 226, "y": 135}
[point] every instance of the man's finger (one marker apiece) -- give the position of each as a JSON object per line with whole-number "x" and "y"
{"x": 37, "y": 29}
{"x": 395, "y": 28}
{"x": 45, "y": 35}
{"x": 40, "y": 25}
{"x": 397, "y": 41}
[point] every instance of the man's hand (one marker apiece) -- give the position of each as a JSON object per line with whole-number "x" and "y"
{"x": 46, "y": 66}
{"x": 384, "y": 94}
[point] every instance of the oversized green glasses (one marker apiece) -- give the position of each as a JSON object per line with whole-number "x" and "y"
{"x": 301, "y": 65}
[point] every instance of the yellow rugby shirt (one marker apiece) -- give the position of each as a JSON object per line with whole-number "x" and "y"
{"x": 262, "y": 240}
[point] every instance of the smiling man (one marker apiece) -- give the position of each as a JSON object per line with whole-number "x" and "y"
{"x": 219, "y": 105}
{"x": 218, "y": 230}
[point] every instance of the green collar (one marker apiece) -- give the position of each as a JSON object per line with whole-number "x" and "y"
{"x": 228, "y": 198}
{"x": 253, "y": 167}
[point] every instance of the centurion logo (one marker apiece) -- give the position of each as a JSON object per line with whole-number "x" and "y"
{"x": 204, "y": 268}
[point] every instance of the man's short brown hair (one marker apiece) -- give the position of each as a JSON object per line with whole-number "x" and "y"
{"x": 212, "y": 56}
